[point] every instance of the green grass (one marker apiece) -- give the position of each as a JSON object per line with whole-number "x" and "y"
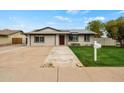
{"x": 107, "y": 56}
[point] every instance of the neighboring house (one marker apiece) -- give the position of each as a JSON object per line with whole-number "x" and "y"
{"x": 8, "y": 37}
{"x": 52, "y": 37}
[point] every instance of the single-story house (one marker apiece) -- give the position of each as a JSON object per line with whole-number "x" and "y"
{"x": 8, "y": 37}
{"x": 49, "y": 36}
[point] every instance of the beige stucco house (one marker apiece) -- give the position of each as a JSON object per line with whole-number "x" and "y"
{"x": 8, "y": 37}
{"x": 53, "y": 37}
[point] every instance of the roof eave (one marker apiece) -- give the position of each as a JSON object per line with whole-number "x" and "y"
{"x": 3, "y": 35}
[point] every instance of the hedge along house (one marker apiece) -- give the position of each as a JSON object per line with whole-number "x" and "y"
{"x": 8, "y": 37}
{"x": 53, "y": 37}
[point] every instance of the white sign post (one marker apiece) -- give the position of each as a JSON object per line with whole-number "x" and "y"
{"x": 96, "y": 46}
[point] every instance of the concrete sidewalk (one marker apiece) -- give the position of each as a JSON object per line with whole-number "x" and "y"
{"x": 62, "y": 56}
{"x": 91, "y": 74}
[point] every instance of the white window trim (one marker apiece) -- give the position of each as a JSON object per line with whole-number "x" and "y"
{"x": 74, "y": 39}
{"x": 85, "y": 36}
{"x": 39, "y": 41}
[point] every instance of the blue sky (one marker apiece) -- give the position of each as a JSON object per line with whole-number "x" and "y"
{"x": 28, "y": 20}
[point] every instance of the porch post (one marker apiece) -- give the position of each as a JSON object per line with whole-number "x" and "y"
{"x": 55, "y": 39}
{"x": 65, "y": 39}
{"x": 30, "y": 40}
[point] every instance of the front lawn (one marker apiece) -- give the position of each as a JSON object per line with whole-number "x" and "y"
{"x": 107, "y": 56}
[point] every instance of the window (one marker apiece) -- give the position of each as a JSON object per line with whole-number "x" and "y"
{"x": 36, "y": 39}
{"x": 73, "y": 37}
{"x": 39, "y": 39}
{"x": 87, "y": 38}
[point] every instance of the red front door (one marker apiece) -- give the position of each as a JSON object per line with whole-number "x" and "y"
{"x": 61, "y": 39}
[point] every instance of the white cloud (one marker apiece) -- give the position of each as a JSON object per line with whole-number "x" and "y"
{"x": 85, "y": 12}
{"x": 18, "y": 26}
{"x": 72, "y": 11}
{"x": 101, "y": 18}
{"x": 62, "y": 18}
{"x": 20, "y": 23}
{"x": 11, "y": 18}
{"x": 120, "y": 12}
{"x": 16, "y": 22}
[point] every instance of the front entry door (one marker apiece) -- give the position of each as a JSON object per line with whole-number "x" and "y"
{"x": 61, "y": 39}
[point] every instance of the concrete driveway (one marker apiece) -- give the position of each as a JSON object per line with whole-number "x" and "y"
{"x": 21, "y": 63}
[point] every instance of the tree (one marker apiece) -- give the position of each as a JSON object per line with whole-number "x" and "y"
{"x": 116, "y": 29}
{"x": 120, "y": 24}
{"x": 111, "y": 27}
{"x": 95, "y": 26}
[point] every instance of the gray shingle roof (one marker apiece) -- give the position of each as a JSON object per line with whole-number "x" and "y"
{"x": 6, "y": 32}
{"x": 80, "y": 31}
{"x": 62, "y": 31}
